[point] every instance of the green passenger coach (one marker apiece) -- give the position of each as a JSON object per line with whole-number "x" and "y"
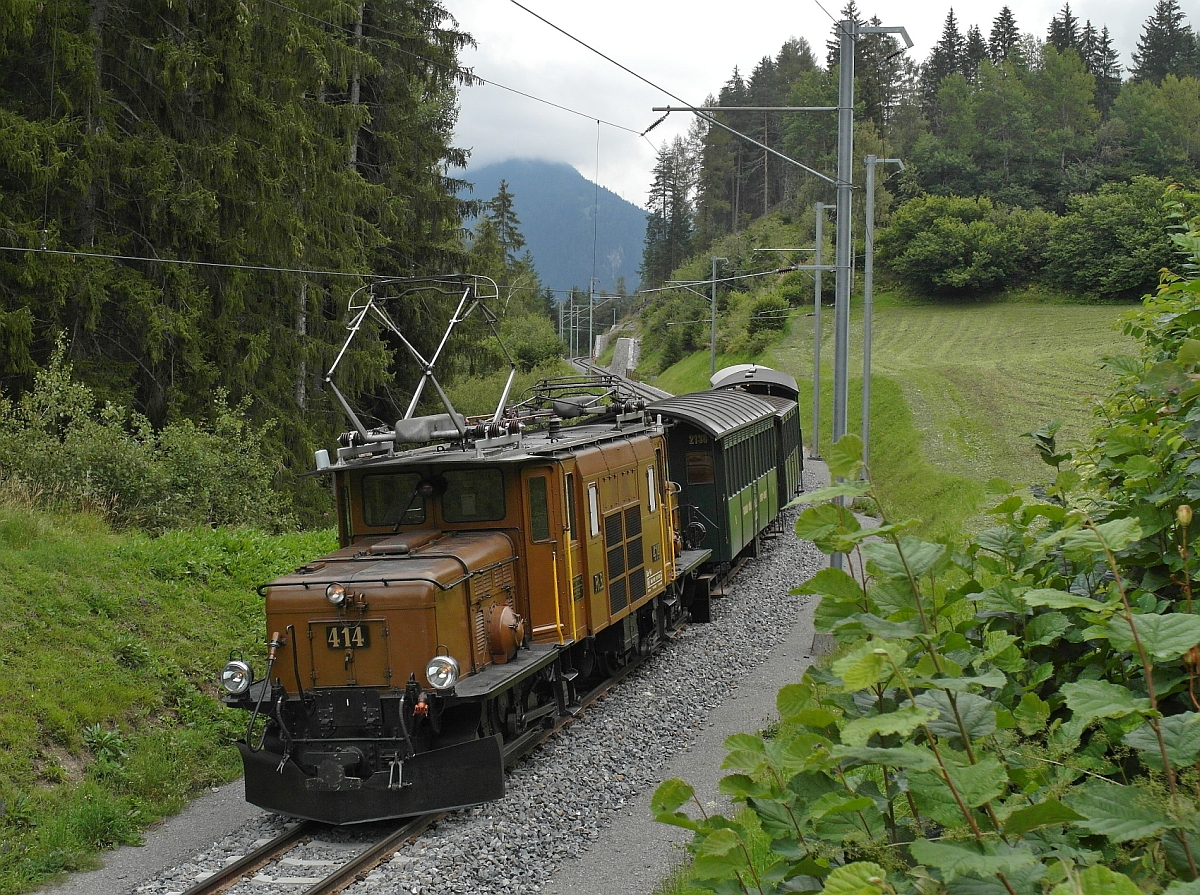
{"x": 726, "y": 445}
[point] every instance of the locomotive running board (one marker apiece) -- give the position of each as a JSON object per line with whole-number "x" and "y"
{"x": 455, "y": 777}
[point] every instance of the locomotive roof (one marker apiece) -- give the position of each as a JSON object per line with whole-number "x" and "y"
{"x": 534, "y": 445}
{"x": 718, "y": 412}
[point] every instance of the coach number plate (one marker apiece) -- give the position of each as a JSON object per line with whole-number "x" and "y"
{"x": 347, "y": 636}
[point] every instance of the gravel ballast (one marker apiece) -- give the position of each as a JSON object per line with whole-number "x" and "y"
{"x": 589, "y": 784}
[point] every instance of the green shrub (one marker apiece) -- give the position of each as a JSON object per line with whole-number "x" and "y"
{"x": 768, "y": 312}
{"x": 1113, "y": 243}
{"x": 67, "y": 450}
{"x": 950, "y": 245}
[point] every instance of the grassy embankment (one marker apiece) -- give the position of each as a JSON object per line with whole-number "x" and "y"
{"x": 954, "y": 385}
{"x": 109, "y": 644}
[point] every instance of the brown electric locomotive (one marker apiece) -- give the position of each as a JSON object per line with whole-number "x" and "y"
{"x": 489, "y": 572}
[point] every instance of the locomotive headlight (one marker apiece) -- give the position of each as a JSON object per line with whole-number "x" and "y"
{"x": 442, "y": 672}
{"x": 336, "y": 594}
{"x": 236, "y": 677}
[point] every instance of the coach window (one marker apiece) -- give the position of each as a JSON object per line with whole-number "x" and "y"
{"x": 473, "y": 495}
{"x": 593, "y": 510}
{"x": 700, "y": 468}
{"x": 539, "y": 510}
{"x": 386, "y": 496}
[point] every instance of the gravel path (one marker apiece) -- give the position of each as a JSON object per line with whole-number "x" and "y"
{"x": 591, "y": 783}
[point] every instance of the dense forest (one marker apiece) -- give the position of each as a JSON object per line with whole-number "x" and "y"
{"x": 281, "y": 149}
{"x": 1028, "y": 159}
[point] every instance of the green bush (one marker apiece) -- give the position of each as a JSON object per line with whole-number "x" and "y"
{"x": 63, "y": 446}
{"x": 768, "y": 312}
{"x": 1113, "y": 243}
{"x": 949, "y": 245}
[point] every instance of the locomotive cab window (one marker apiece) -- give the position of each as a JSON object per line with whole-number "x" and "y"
{"x": 539, "y": 510}
{"x": 571, "y": 521}
{"x": 651, "y": 490}
{"x": 386, "y": 496}
{"x": 593, "y": 510}
{"x": 473, "y": 495}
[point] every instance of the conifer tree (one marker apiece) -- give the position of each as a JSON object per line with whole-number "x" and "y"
{"x": 947, "y": 58}
{"x": 670, "y": 224}
{"x": 1063, "y": 33}
{"x": 1105, "y": 63}
{"x": 503, "y": 217}
{"x": 974, "y": 52}
{"x": 1004, "y": 36}
{"x": 1167, "y": 45}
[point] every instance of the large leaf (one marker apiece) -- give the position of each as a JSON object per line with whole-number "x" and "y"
{"x": 912, "y": 758}
{"x": 844, "y": 457}
{"x": 976, "y": 713}
{"x": 852, "y": 489}
{"x": 747, "y": 752}
{"x": 934, "y": 799}
{"x": 981, "y": 782}
{"x": 793, "y": 699}
{"x": 1032, "y": 714}
{"x": 1043, "y": 814}
{"x": 834, "y": 584}
{"x": 1090, "y": 700}
{"x": 720, "y": 852}
{"x": 827, "y": 526}
{"x": 860, "y": 878}
{"x": 1181, "y": 736}
{"x": 959, "y": 858}
{"x": 872, "y": 662}
{"x": 1121, "y": 813}
{"x": 1024, "y": 882}
{"x": 1164, "y": 637}
{"x": 1114, "y": 535}
{"x": 919, "y": 556}
{"x": 670, "y": 796}
{"x": 902, "y": 721}
{"x": 1046, "y": 627}
{"x": 1059, "y": 599}
{"x": 1098, "y": 880}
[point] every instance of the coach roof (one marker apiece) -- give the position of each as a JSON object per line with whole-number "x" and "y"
{"x": 717, "y": 412}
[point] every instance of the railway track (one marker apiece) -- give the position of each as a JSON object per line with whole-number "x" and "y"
{"x": 272, "y": 856}
{"x": 641, "y": 389}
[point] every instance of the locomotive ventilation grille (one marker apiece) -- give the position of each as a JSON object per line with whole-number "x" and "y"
{"x": 625, "y": 556}
{"x": 481, "y": 644}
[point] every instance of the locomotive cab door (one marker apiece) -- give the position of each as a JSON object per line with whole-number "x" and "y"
{"x": 550, "y": 608}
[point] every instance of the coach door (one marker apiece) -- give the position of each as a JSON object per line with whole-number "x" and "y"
{"x": 549, "y": 609}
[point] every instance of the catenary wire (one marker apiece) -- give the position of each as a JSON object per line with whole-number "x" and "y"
{"x": 227, "y": 266}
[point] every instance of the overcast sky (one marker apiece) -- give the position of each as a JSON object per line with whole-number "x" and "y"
{"x": 688, "y": 48}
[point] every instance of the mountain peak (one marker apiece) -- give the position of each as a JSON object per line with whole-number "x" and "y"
{"x": 556, "y": 206}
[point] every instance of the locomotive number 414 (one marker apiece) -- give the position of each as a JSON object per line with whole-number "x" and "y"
{"x": 347, "y": 636}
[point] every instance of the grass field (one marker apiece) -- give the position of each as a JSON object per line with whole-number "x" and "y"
{"x": 954, "y": 386}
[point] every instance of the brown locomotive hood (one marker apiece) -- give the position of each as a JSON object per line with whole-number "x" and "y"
{"x": 434, "y": 557}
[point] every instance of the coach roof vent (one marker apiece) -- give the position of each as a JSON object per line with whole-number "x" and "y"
{"x": 757, "y": 380}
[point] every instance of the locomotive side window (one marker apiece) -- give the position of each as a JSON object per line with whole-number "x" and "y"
{"x": 593, "y": 510}
{"x": 700, "y": 468}
{"x": 651, "y": 489}
{"x": 473, "y": 495}
{"x": 539, "y": 510}
{"x": 571, "y": 521}
{"x": 385, "y": 496}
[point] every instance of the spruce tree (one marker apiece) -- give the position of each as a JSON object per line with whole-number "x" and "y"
{"x": 974, "y": 52}
{"x": 1064, "y": 30}
{"x": 1167, "y": 45}
{"x": 1105, "y": 64}
{"x": 947, "y": 58}
{"x": 833, "y": 46}
{"x": 503, "y": 217}
{"x": 670, "y": 224}
{"x": 1004, "y": 36}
